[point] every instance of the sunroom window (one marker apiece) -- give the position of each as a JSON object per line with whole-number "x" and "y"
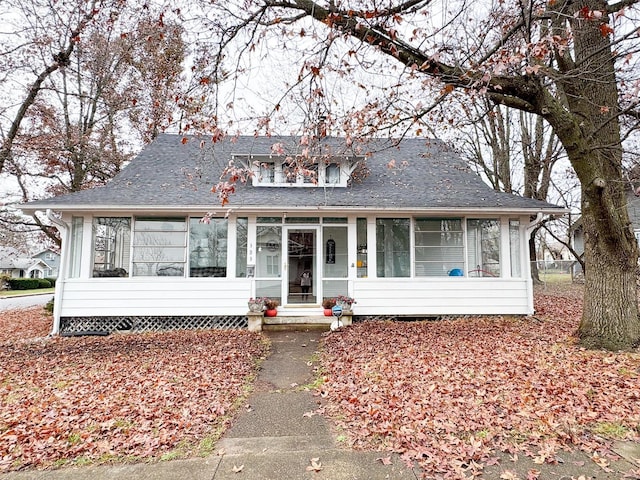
{"x": 208, "y": 247}
{"x": 483, "y": 247}
{"x": 242, "y": 237}
{"x": 439, "y": 247}
{"x": 110, "y": 246}
{"x": 514, "y": 245}
{"x": 159, "y": 247}
{"x": 75, "y": 252}
{"x": 392, "y": 247}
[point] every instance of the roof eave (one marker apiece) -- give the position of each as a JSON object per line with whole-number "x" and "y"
{"x": 120, "y": 209}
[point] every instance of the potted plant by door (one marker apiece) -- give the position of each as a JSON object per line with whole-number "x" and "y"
{"x": 271, "y": 307}
{"x": 256, "y": 304}
{"x": 328, "y": 304}
{"x": 345, "y": 302}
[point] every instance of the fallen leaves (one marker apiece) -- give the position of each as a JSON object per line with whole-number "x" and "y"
{"x": 315, "y": 466}
{"x": 23, "y": 324}
{"x": 95, "y": 399}
{"x": 449, "y": 394}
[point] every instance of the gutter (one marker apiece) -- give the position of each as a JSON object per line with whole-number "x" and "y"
{"x": 64, "y": 229}
{"x": 357, "y": 209}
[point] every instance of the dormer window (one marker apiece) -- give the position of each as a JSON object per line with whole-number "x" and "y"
{"x": 310, "y": 174}
{"x": 267, "y": 172}
{"x": 274, "y": 171}
{"x": 289, "y": 174}
{"x": 332, "y": 174}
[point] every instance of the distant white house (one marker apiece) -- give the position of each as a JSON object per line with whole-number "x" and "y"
{"x": 403, "y": 226}
{"x": 44, "y": 264}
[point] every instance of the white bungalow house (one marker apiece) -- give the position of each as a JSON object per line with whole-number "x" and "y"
{"x": 404, "y": 227}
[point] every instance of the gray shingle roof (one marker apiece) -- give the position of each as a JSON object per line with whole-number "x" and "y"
{"x": 170, "y": 174}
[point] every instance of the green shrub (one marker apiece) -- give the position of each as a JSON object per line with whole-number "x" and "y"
{"x": 44, "y": 283}
{"x": 49, "y": 306}
{"x": 52, "y": 281}
{"x": 24, "y": 283}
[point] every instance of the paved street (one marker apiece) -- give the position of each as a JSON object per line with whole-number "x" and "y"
{"x": 25, "y": 301}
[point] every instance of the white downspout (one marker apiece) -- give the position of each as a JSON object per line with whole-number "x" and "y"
{"x": 535, "y": 222}
{"x": 63, "y": 228}
{"x": 529, "y": 228}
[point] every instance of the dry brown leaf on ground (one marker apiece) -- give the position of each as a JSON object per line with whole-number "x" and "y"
{"x": 136, "y": 396}
{"x": 449, "y": 394}
{"x": 24, "y": 324}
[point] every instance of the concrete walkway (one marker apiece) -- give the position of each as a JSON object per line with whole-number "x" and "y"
{"x": 278, "y": 434}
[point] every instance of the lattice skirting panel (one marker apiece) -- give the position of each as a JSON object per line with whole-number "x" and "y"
{"x": 105, "y": 325}
{"x": 398, "y": 318}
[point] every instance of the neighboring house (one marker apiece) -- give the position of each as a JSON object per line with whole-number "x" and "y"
{"x": 18, "y": 265}
{"x": 419, "y": 235}
{"x": 52, "y": 261}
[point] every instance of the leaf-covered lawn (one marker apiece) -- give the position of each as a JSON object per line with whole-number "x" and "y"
{"x": 24, "y": 324}
{"x": 450, "y": 394}
{"x": 119, "y": 397}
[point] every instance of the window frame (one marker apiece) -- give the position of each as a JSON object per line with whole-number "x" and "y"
{"x": 382, "y": 252}
{"x": 136, "y": 248}
{"x": 452, "y": 266}
{"x": 276, "y": 167}
{"x": 121, "y": 265}
{"x": 216, "y": 269}
{"x": 483, "y": 269}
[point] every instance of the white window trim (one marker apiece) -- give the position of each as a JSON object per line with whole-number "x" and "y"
{"x": 279, "y": 179}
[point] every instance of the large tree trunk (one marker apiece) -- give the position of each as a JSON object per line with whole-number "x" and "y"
{"x": 610, "y": 316}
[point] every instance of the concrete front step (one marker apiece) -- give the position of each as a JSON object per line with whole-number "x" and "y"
{"x": 279, "y": 320}
{"x": 258, "y": 322}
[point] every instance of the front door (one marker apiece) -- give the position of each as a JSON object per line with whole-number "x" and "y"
{"x": 301, "y": 282}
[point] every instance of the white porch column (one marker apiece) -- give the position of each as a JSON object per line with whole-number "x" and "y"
{"x": 372, "y": 264}
{"x": 232, "y": 246}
